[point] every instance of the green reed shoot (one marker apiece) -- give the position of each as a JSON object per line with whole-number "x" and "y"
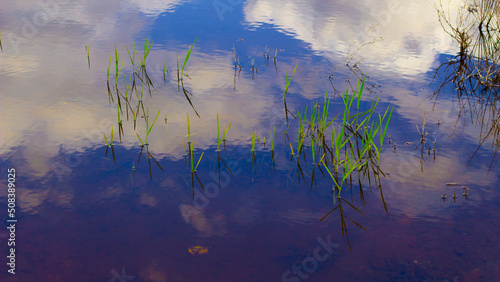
{"x": 111, "y": 138}
{"x": 187, "y": 58}
{"x": 189, "y": 129}
{"x": 106, "y": 139}
{"x": 218, "y": 133}
{"x": 224, "y": 132}
{"x": 178, "y": 77}
{"x": 254, "y": 137}
{"x": 272, "y": 139}
{"x": 86, "y": 48}
{"x": 149, "y": 128}
{"x": 147, "y": 49}
{"x": 313, "y": 151}
{"x": 287, "y": 81}
{"x": 109, "y": 68}
{"x": 132, "y": 57}
{"x": 165, "y": 70}
{"x": 138, "y": 137}
{"x": 199, "y": 160}
{"x": 135, "y": 116}
{"x": 117, "y": 67}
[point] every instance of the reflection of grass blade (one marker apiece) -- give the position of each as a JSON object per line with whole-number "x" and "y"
{"x": 189, "y": 100}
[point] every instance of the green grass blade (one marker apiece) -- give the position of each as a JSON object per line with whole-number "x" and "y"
{"x": 139, "y": 139}
{"x": 199, "y": 160}
{"x": 188, "y": 55}
{"x": 149, "y": 130}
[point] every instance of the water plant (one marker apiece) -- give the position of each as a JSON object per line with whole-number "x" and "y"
{"x": 110, "y": 144}
{"x": 189, "y": 129}
{"x": 140, "y": 140}
{"x": 224, "y": 132}
{"x": 147, "y": 49}
{"x": 165, "y": 70}
{"x": 87, "y": 48}
{"x": 353, "y": 144}
{"x": 287, "y": 84}
{"x": 117, "y": 67}
{"x": 272, "y": 139}
{"x": 149, "y": 128}
{"x": 254, "y": 137}
{"x": 110, "y": 95}
{"x": 132, "y": 57}
{"x": 186, "y": 58}
{"x": 191, "y": 152}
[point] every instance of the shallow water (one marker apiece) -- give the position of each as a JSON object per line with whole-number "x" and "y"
{"x": 84, "y": 216}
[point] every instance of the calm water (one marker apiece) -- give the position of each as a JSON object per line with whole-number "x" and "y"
{"x": 84, "y": 216}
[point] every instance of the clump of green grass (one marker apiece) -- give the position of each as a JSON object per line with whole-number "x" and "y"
{"x": 254, "y": 138}
{"x": 147, "y": 49}
{"x": 353, "y": 145}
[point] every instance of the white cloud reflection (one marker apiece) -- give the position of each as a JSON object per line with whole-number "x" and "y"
{"x": 407, "y": 34}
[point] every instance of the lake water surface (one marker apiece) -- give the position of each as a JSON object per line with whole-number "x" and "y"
{"x": 86, "y": 212}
